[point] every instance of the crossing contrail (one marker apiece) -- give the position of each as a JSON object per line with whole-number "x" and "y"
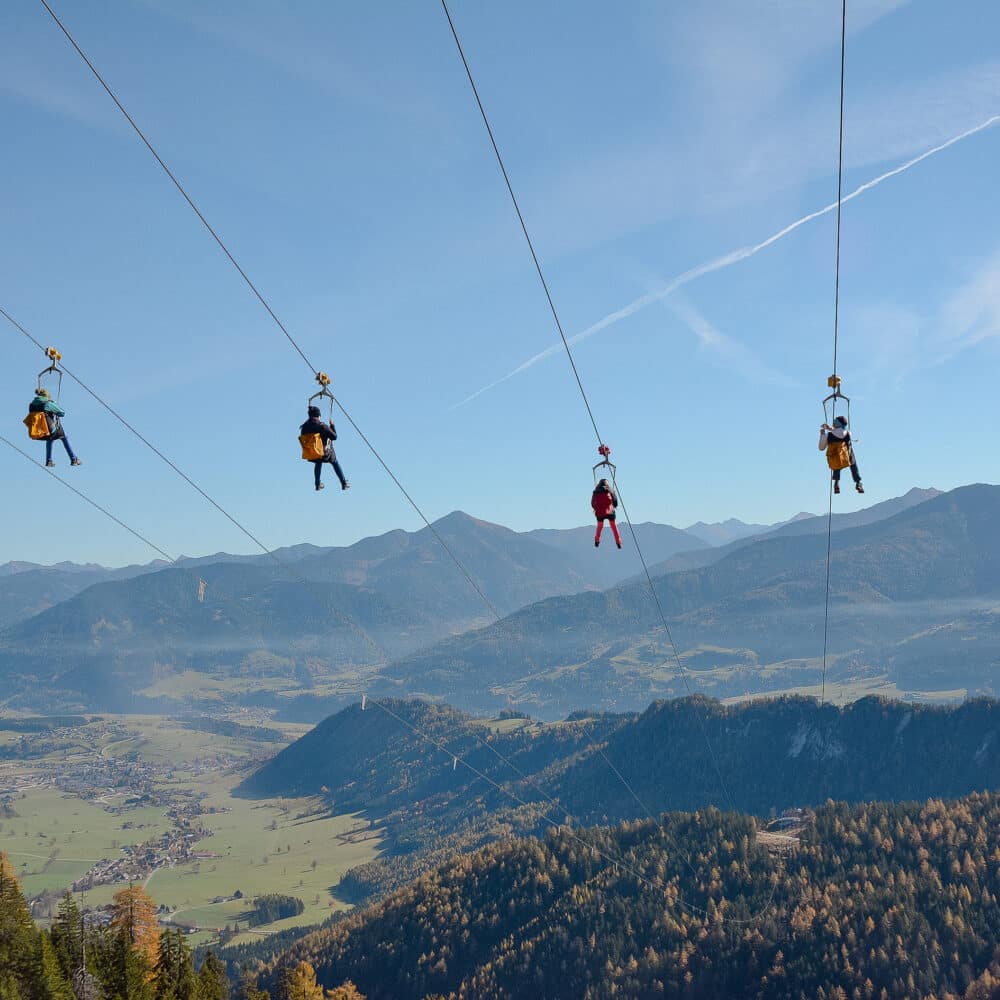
{"x": 726, "y": 260}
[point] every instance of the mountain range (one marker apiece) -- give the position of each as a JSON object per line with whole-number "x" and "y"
{"x": 514, "y": 568}
{"x": 750, "y": 620}
{"x": 393, "y": 615}
{"x": 106, "y": 636}
{"x": 732, "y": 529}
{"x": 39, "y": 587}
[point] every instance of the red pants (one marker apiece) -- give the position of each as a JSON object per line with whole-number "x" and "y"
{"x": 614, "y": 530}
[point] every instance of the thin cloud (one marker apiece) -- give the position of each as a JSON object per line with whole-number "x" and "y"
{"x": 47, "y": 91}
{"x": 731, "y": 353}
{"x": 901, "y": 339}
{"x": 726, "y": 260}
{"x": 972, "y": 315}
{"x": 289, "y": 41}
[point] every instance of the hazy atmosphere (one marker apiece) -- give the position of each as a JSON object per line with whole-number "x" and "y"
{"x": 418, "y": 574}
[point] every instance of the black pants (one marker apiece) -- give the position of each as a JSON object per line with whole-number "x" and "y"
{"x": 318, "y": 469}
{"x": 836, "y": 473}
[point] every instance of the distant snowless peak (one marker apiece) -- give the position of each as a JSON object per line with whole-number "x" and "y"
{"x": 733, "y": 529}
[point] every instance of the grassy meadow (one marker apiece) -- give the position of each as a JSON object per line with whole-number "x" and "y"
{"x": 56, "y": 838}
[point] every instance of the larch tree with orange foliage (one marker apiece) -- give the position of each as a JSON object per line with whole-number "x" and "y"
{"x": 300, "y": 983}
{"x": 135, "y": 916}
{"x": 346, "y": 991}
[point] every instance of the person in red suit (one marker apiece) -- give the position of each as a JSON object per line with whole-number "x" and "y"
{"x": 604, "y": 503}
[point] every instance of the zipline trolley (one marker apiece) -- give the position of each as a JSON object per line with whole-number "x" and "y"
{"x": 54, "y": 370}
{"x": 830, "y": 402}
{"x": 324, "y": 391}
{"x": 605, "y": 463}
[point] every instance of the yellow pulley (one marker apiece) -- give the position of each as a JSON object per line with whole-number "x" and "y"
{"x": 324, "y": 390}
{"x": 834, "y": 382}
{"x": 55, "y": 357}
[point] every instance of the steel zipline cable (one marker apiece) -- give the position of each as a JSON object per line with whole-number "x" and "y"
{"x": 278, "y": 561}
{"x": 653, "y": 883}
{"x": 567, "y": 823}
{"x": 454, "y": 558}
{"x": 107, "y": 406}
{"x": 290, "y": 569}
{"x": 836, "y": 333}
{"x": 93, "y": 503}
{"x": 675, "y": 655}
{"x": 271, "y": 312}
{"x": 263, "y": 301}
{"x": 141, "y": 537}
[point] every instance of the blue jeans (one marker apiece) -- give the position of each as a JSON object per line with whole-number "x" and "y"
{"x": 65, "y": 441}
{"x": 854, "y": 473}
{"x": 318, "y": 467}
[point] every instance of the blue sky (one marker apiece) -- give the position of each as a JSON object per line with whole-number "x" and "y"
{"x": 338, "y": 150}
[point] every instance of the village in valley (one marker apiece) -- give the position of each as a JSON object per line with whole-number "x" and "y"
{"x": 101, "y": 803}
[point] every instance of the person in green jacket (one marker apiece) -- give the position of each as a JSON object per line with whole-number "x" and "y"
{"x": 43, "y": 403}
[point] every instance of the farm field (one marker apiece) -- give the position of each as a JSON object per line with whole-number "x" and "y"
{"x": 55, "y": 838}
{"x": 260, "y": 846}
{"x": 192, "y": 689}
{"x": 158, "y": 739}
{"x": 186, "y": 683}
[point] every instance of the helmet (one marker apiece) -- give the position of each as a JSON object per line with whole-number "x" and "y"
{"x": 314, "y": 411}
{"x": 840, "y": 421}
{"x": 44, "y": 393}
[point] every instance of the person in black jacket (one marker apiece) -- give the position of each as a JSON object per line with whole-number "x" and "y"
{"x": 329, "y": 434}
{"x": 836, "y": 441}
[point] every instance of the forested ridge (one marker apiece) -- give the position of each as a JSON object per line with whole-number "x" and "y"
{"x": 427, "y": 807}
{"x": 772, "y": 755}
{"x": 880, "y": 900}
{"x": 784, "y": 752}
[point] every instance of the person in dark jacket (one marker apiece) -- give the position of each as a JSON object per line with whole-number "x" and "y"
{"x": 836, "y": 442}
{"x": 329, "y": 434}
{"x": 604, "y": 502}
{"x": 43, "y": 403}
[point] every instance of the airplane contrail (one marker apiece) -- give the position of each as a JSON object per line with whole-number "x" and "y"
{"x": 726, "y": 260}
